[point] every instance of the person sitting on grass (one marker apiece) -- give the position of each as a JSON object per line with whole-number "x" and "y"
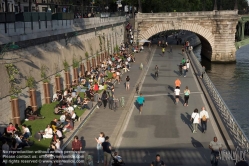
{"x": 31, "y": 115}
{"x": 96, "y": 87}
{"x": 58, "y": 110}
{"x": 89, "y": 94}
{"x": 85, "y": 103}
{"x": 26, "y": 131}
{"x": 74, "y": 117}
{"x": 10, "y": 130}
{"x": 48, "y": 133}
{"x": 23, "y": 142}
{"x": 69, "y": 126}
{"x": 58, "y": 133}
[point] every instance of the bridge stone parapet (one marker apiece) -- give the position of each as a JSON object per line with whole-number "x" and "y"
{"x": 216, "y": 30}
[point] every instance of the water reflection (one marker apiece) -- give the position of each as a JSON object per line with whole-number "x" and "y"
{"x": 231, "y": 80}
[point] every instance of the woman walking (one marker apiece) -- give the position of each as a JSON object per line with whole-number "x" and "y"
{"x": 127, "y": 84}
{"x": 187, "y": 63}
{"x": 99, "y": 141}
{"x": 186, "y": 96}
{"x": 104, "y": 98}
{"x": 195, "y": 119}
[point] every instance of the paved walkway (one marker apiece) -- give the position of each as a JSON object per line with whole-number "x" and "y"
{"x": 164, "y": 127}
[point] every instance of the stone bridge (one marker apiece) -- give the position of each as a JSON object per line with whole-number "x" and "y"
{"x": 216, "y": 30}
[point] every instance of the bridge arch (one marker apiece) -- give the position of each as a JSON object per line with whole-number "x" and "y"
{"x": 205, "y": 35}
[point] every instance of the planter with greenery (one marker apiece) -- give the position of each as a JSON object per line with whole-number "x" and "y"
{"x": 14, "y": 92}
{"x": 98, "y": 57}
{"x": 82, "y": 66}
{"x": 46, "y": 84}
{"x": 30, "y": 82}
{"x": 88, "y": 65}
{"x": 76, "y": 64}
{"x": 57, "y": 78}
{"x": 67, "y": 75}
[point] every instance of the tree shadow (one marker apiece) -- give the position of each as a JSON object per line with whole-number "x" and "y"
{"x": 186, "y": 120}
{"x": 181, "y": 99}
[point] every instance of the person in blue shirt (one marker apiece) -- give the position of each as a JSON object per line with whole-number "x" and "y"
{"x": 140, "y": 102}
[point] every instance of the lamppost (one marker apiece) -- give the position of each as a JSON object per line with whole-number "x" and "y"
{"x": 92, "y": 5}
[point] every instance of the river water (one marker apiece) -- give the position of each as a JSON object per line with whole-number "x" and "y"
{"x": 232, "y": 82}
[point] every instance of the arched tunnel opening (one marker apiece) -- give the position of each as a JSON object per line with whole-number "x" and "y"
{"x": 178, "y": 37}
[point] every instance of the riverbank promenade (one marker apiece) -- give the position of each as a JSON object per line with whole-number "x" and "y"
{"x": 163, "y": 127}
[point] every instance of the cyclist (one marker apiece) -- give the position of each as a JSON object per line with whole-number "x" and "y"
{"x": 158, "y": 161}
{"x": 156, "y": 71}
{"x": 215, "y": 146}
{"x": 140, "y": 101}
{"x": 163, "y": 50}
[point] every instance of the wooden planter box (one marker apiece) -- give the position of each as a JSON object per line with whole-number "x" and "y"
{"x": 98, "y": 59}
{"x": 58, "y": 83}
{"x": 67, "y": 79}
{"x": 102, "y": 57}
{"x": 46, "y": 92}
{"x": 82, "y": 68}
{"x": 75, "y": 73}
{"x": 88, "y": 65}
{"x": 15, "y": 111}
{"x": 106, "y": 55}
{"x": 33, "y": 103}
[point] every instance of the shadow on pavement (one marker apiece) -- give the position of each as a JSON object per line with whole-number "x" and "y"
{"x": 186, "y": 120}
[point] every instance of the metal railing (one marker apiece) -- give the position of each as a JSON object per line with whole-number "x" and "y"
{"x": 232, "y": 126}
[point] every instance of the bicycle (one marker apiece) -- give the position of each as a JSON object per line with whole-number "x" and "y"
{"x": 137, "y": 87}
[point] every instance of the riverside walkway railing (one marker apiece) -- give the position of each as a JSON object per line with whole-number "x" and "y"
{"x": 237, "y": 134}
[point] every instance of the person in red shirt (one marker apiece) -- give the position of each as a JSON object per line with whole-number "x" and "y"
{"x": 76, "y": 147}
{"x": 96, "y": 87}
{"x": 11, "y": 129}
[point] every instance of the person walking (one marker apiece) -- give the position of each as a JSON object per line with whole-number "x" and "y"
{"x": 204, "y": 118}
{"x": 158, "y": 161}
{"x": 127, "y": 84}
{"x": 216, "y": 148}
{"x": 99, "y": 141}
{"x": 177, "y": 83}
{"x": 187, "y": 64}
{"x": 180, "y": 69}
{"x": 177, "y": 95}
{"x": 107, "y": 151}
{"x": 186, "y": 96}
{"x": 203, "y": 71}
{"x": 76, "y": 148}
{"x": 195, "y": 119}
{"x": 156, "y": 71}
{"x": 183, "y": 61}
{"x": 183, "y": 49}
{"x": 111, "y": 99}
{"x": 163, "y": 51}
{"x": 104, "y": 98}
{"x": 184, "y": 67}
{"x": 140, "y": 102}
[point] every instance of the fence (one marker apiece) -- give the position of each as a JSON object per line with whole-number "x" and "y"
{"x": 230, "y": 123}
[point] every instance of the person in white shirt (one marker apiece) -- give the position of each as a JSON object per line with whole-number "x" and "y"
{"x": 204, "y": 118}
{"x": 70, "y": 109}
{"x": 129, "y": 59}
{"x": 69, "y": 99}
{"x": 55, "y": 97}
{"x": 177, "y": 95}
{"x": 195, "y": 118}
{"x": 26, "y": 131}
{"x": 99, "y": 141}
{"x": 48, "y": 133}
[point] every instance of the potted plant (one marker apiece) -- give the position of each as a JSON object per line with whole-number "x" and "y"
{"x": 57, "y": 78}
{"x": 67, "y": 76}
{"x": 30, "y": 82}
{"x": 12, "y": 71}
{"x": 82, "y": 66}
{"x": 76, "y": 64}
{"x": 88, "y": 65}
{"x": 45, "y": 81}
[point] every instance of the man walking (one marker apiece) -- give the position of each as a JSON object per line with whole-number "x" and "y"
{"x": 107, "y": 151}
{"x": 140, "y": 102}
{"x": 204, "y": 118}
{"x": 216, "y": 148}
{"x": 158, "y": 161}
{"x": 76, "y": 147}
{"x": 177, "y": 83}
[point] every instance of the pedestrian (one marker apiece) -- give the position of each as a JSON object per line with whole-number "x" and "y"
{"x": 216, "y": 148}
{"x": 104, "y": 98}
{"x": 140, "y": 102}
{"x": 183, "y": 49}
{"x": 127, "y": 84}
{"x": 99, "y": 141}
{"x": 195, "y": 119}
{"x": 204, "y": 118}
{"x": 158, "y": 161}
{"x": 184, "y": 67}
{"x": 76, "y": 148}
{"x": 107, "y": 151}
{"x": 159, "y": 43}
{"x": 163, "y": 50}
{"x": 180, "y": 69}
{"x": 186, "y": 96}
{"x": 177, "y": 83}
{"x": 187, "y": 63}
{"x": 177, "y": 94}
{"x": 111, "y": 99}
{"x": 203, "y": 71}
{"x": 183, "y": 61}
